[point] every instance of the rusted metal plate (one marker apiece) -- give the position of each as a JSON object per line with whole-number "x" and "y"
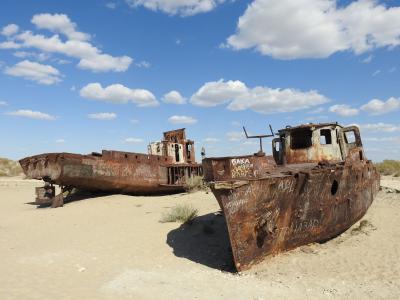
{"x": 270, "y": 208}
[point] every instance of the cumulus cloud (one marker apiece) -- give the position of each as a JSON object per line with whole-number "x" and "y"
{"x": 287, "y": 29}
{"x": 132, "y": 140}
{"x": 76, "y": 44}
{"x": 344, "y": 110}
{"x": 380, "y": 127}
{"x": 117, "y": 93}
{"x": 9, "y": 45}
{"x": 37, "y": 115}
{"x": 174, "y": 97}
{"x": 37, "y": 56}
{"x": 379, "y": 107}
{"x": 177, "y": 7}
{"x": 182, "y": 120}
{"x": 103, "y": 116}
{"x": 9, "y": 30}
{"x": 59, "y": 23}
{"x": 40, "y": 73}
{"x": 260, "y": 99}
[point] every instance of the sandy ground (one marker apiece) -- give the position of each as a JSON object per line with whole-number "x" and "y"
{"x": 113, "y": 247}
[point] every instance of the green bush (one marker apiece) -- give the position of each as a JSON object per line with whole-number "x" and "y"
{"x": 389, "y": 167}
{"x": 183, "y": 213}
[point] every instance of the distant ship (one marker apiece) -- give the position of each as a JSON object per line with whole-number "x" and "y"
{"x": 165, "y": 169}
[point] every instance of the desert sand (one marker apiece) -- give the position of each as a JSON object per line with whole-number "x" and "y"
{"x": 114, "y": 247}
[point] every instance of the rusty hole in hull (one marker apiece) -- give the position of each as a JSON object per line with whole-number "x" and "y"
{"x": 334, "y": 188}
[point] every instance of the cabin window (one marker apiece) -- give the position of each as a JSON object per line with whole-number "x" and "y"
{"x": 325, "y": 137}
{"x": 301, "y": 138}
{"x": 188, "y": 150}
{"x": 350, "y": 137}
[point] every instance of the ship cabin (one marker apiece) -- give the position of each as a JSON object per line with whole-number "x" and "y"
{"x": 175, "y": 146}
{"x": 314, "y": 143}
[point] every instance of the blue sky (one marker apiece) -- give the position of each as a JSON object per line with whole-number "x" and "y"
{"x": 81, "y": 76}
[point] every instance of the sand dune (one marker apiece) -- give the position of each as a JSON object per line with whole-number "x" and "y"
{"x": 113, "y": 247}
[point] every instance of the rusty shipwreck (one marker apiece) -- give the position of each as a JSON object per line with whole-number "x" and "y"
{"x": 316, "y": 184}
{"x": 164, "y": 169}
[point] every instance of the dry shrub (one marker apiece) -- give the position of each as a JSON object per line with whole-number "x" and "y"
{"x": 364, "y": 227}
{"x": 9, "y": 167}
{"x": 195, "y": 183}
{"x": 183, "y": 213}
{"x": 389, "y": 167}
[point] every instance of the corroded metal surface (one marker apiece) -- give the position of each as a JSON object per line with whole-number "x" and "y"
{"x": 271, "y": 206}
{"x": 116, "y": 171}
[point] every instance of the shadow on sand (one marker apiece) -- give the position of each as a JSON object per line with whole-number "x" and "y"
{"x": 204, "y": 241}
{"x": 76, "y": 195}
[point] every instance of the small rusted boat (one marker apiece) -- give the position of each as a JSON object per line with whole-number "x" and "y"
{"x": 164, "y": 169}
{"x": 316, "y": 184}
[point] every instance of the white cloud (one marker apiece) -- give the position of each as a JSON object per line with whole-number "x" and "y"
{"x": 235, "y": 136}
{"x": 76, "y": 45}
{"x": 344, "y": 110}
{"x": 218, "y": 92}
{"x": 143, "y": 64}
{"x": 368, "y": 59}
{"x": 9, "y": 45}
{"x": 379, "y": 107}
{"x": 260, "y": 99}
{"x": 377, "y": 72}
{"x": 9, "y": 30}
{"x": 177, "y": 7}
{"x": 174, "y": 97}
{"x": 59, "y": 23}
{"x": 210, "y": 140}
{"x": 117, "y": 93}
{"x": 37, "y": 115}
{"x": 135, "y": 121}
{"x": 38, "y": 56}
{"x": 380, "y": 127}
{"x": 182, "y": 120}
{"x": 287, "y": 29}
{"x": 132, "y": 140}
{"x": 111, "y": 5}
{"x": 3, "y": 103}
{"x": 103, "y": 116}
{"x": 60, "y": 141}
{"x": 43, "y": 74}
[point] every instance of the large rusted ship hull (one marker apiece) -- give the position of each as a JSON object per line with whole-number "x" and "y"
{"x": 111, "y": 171}
{"x": 273, "y": 209}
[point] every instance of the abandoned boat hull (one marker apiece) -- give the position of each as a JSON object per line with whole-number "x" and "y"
{"x": 269, "y": 215}
{"x": 112, "y": 171}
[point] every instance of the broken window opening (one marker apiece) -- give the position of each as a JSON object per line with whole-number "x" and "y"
{"x": 301, "y": 138}
{"x": 325, "y": 137}
{"x": 350, "y": 137}
{"x": 188, "y": 150}
{"x": 177, "y": 158}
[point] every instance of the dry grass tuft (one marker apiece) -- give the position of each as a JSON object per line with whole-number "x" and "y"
{"x": 195, "y": 183}
{"x": 183, "y": 213}
{"x": 9, "y": 167}
{"x": 365, "y": 227}
{"x": 389, "y": 167}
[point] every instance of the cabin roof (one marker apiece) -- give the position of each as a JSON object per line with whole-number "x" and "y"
{"x": 310, "y": 126}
